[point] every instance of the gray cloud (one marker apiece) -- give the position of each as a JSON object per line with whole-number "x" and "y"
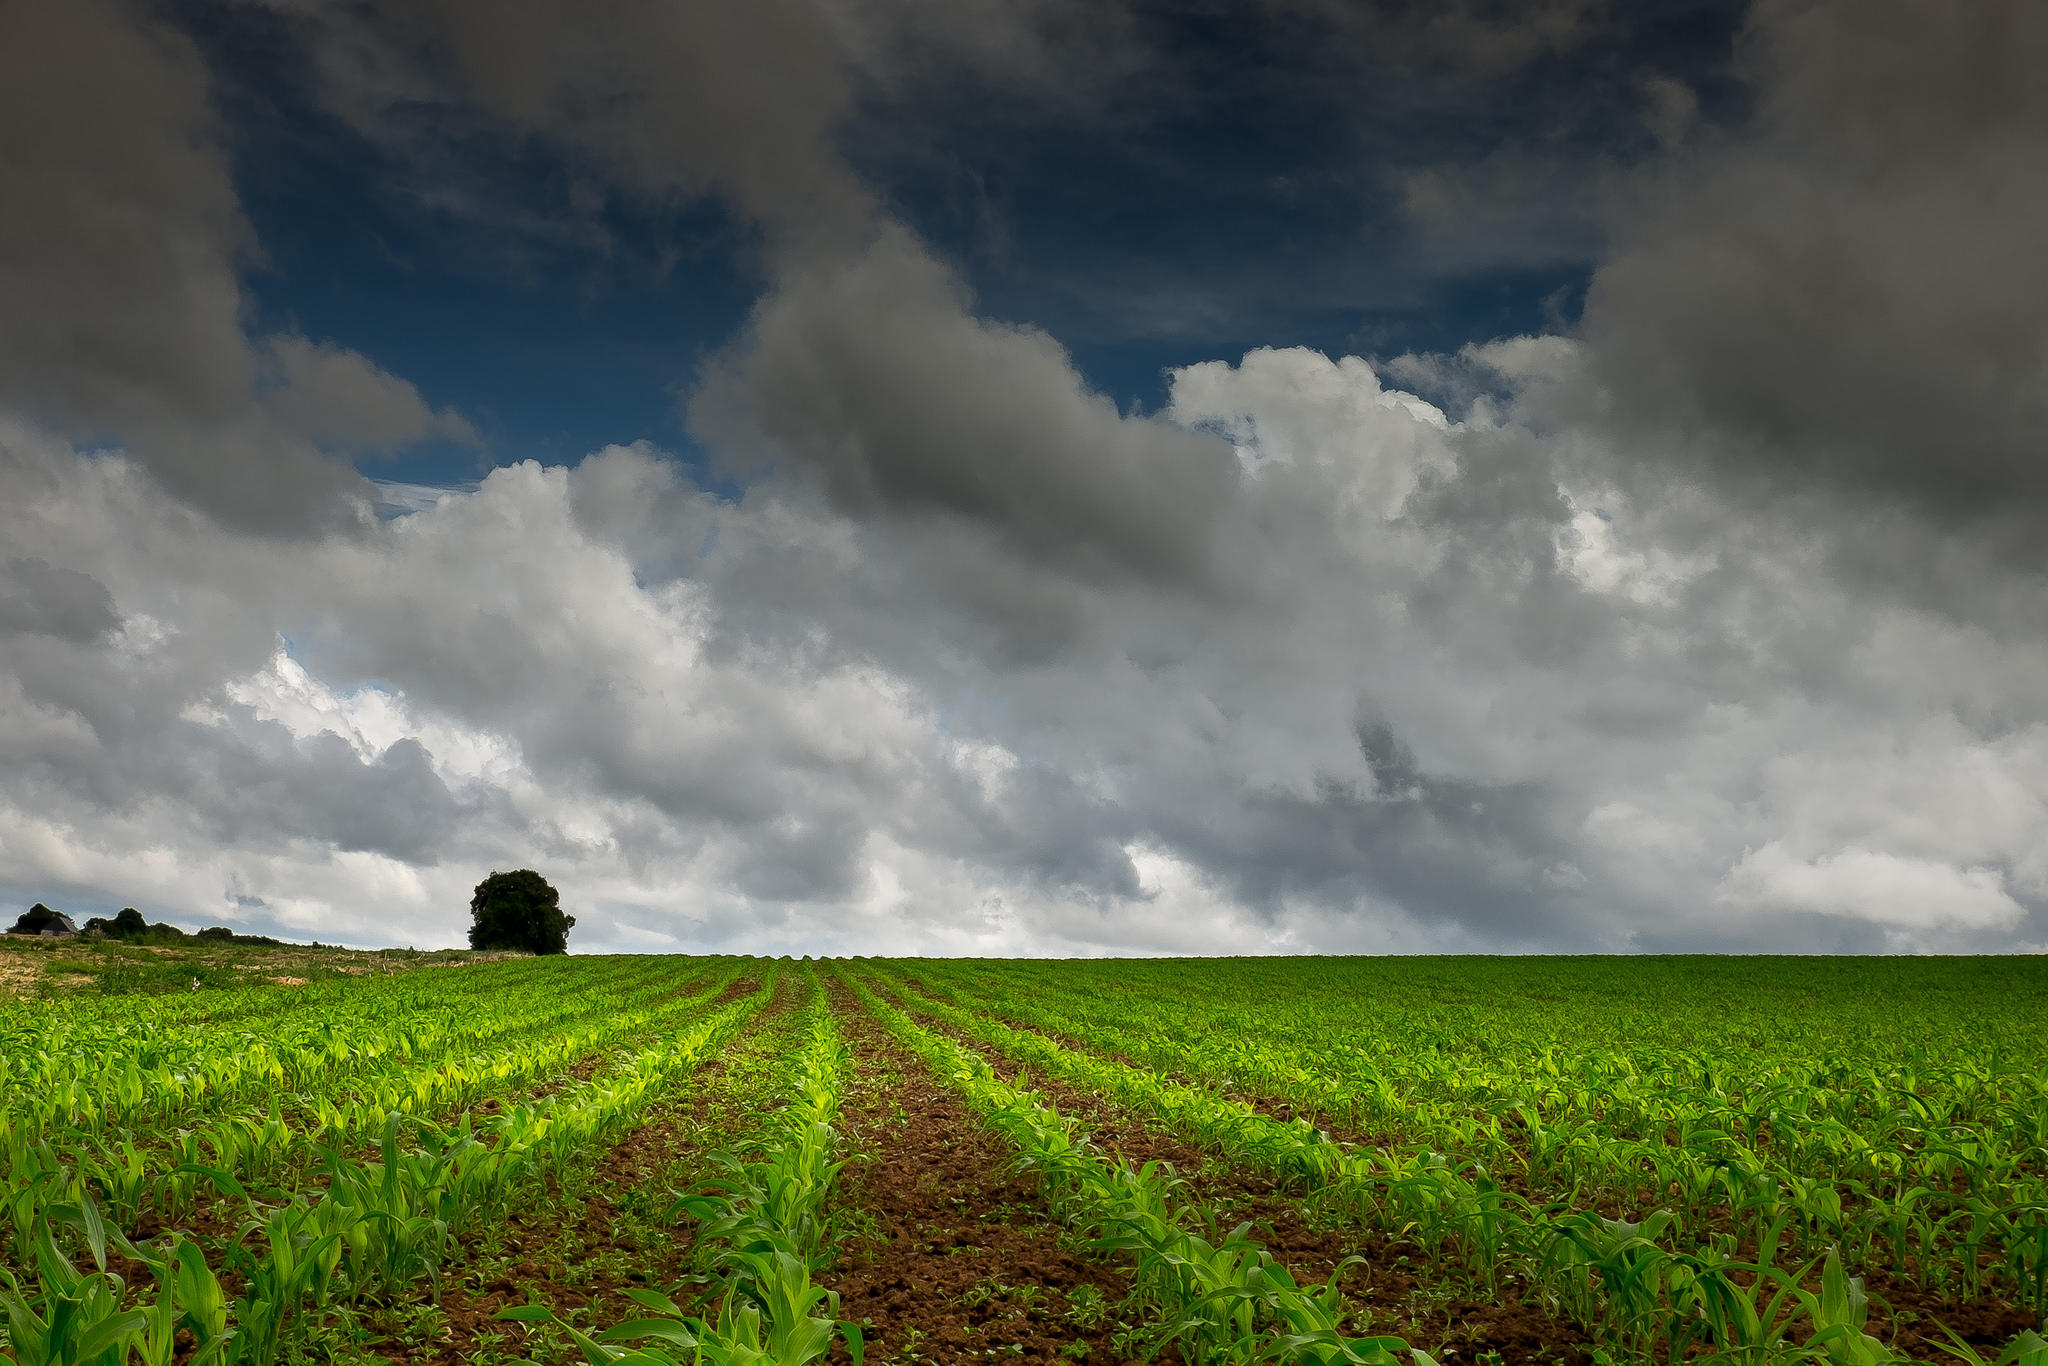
{"x": 119, "y": 252}
{"x": 781, "y": 721}
{"x": 120, "y": 297}
{"x": 691, "y": 98}
{"x": 876, "y": 373}
{"x": 43, "y": 599}
{"x": 332, "y": 396}
{"x": 661, "y": 101}
{"x": 1845, "y": 295}
{"x": 275, "y": 786}
{"x": 974, "y": 661}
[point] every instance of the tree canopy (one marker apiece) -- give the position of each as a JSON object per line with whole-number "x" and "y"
{"x": 518, "y": 910}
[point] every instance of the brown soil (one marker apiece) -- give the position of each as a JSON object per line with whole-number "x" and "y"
{"x": 955, "y": 1236}
{"x": 1913, "y": 1325}
{"x": 583, "y": 1069}
{"x": 1449, "y": 1320}
{"x": 469, "y": 1302}
{"x": 1278, "y": 1107}
{"x": 508, "y": 1267}
{"x": 746, "y": 986}
{"x": 1917, "y": 1316}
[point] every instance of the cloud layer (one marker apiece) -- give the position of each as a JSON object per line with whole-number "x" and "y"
{"x": 1707, "y": 623}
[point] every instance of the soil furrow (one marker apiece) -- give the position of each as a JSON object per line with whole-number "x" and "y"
{"x": 1906, "y": 1316}
{"x": 593, "y": 1233}
{"x": 1389, "y": 1296}
{"x": 950, "y": 1255}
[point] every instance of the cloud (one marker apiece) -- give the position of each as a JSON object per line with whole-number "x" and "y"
{"x": 120, "y": 284}
{"x": 1496, "y": 650}
{"x": 673, "y": 98}
{"x": 40, "y": 598}
{"x": 332, "y": 396}
{"x": 747, "y": 104}
{"x": 1840, "y": 296}
{"x": 119, "y": 256}
{"x": 120, "y": 260}
{"x": 1865, "y": 885}
{"x": 874, "y": 372}
{"x": 783, "y": 721}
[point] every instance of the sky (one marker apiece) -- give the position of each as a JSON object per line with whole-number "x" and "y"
{"x": 1049, "y": 477}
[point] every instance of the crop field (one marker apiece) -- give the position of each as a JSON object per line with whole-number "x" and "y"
{"x": 725, "y": 1160}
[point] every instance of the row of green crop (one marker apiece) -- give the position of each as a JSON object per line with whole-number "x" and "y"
{"x": 160, "y": 1172}
{"x": 1378, "y": 1053}
{"x": 762, "y": 1236}
{"x": 1216, "y": 1293}
{"x": 1640, "y": 1286}
{"x": 378, "y": 1226}
{"x": 1915, "y": 1190}
{"x": 105, "y": 1069}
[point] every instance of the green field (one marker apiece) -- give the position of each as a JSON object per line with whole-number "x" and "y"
{"x": 440, "y": 1159}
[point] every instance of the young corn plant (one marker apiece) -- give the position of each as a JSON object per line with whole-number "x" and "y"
{"x": 1224, "y": 1301}
{"x": 761, "y": 1235}
{"x": 378, "y": 1227}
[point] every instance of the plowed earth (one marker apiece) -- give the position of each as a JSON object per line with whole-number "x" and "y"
{"x": 588, "y": 1240}
{"x": 1906, "y": 1317}
{"x": 1447, "y": 1320}
{"x": 962, "y": 1261}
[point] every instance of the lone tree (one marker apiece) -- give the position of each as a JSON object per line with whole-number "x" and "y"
{"x": 518, "y": 911}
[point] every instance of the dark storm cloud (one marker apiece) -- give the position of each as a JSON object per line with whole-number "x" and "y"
{"x": 1493, "y": 859}
{"x": 745, "y": 102}
{"x": 272, "y": 786}
{"x": 737, "y": 99}
{"x": 953, "y": 652}
{"x": 1341, "y": 175}
{"x": 41, "y": 598}
{"x": 120, "y": 254}
{"x": 1846, "y": 295}
{"x": 340, "y": 399}
{"x": 876, "y": 373}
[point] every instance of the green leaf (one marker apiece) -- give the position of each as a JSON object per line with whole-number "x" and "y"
{"x": 667, "y": 1330}
{"x": 108, "y": 1333}
{"x": 525, "y": 1313}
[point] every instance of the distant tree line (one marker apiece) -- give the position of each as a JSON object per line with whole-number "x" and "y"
{"x": 130, "y": 927}
{"x": 517, "y": 911}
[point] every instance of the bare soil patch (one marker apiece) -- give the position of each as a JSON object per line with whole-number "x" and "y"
{"x": 1908, "y": 1318}
{"x": 963, "y": 1260}
{"x": 18, "y": 974}
{"x": 583, "y": 1242}
{"x": 1446, "y": 1318}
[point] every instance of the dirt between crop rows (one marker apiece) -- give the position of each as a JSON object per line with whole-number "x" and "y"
{"x": 614, "y": 1258}
{"x": 611, "y": 1255}
{"x": 964, "y": 1262}
{"x": 469, "y": 1304}
{"x": 1906, "y": 1317}
{"x": 588, "y": 1066}
{"x": 1447, "y": 1320}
